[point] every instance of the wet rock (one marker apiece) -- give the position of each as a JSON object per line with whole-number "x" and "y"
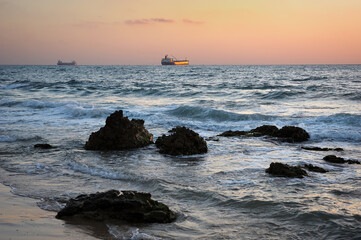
{"x": 119, "y": 133}
{"x": 129, "y": 206}
{"x": 268, "y": 130}
{"x": 292, "y": 134}
{"x": 285, "y": 170}
{"x": 287, "y": 133}
{"x": 322, "y": 149}
{"x": 43, "y": 146}
{"x": 334, "y": 159}
{"x": 231, "y": 133}
{"x": 182, "y": 141}
{"x": 313, "y": 168}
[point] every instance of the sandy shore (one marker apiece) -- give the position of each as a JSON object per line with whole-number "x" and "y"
{"x": 21, "y": 218}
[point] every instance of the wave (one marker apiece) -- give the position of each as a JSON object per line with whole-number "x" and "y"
{"x": 14, "y": 86}
{"x": 209, "y": 114}
{"x": 312, "y": 78}
{"x": 69, "y": 108}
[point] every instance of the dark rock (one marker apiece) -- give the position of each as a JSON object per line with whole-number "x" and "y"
{"x": 129, "y": 206}
{"x": 313, "y": 168}
{"x": 334, "y": 159}
{"x": 119, "y": 133}
{"x": 43, "y": 146}
{"x": 269, "y": 130}
{"x": 287, "y": 133}
{"x": 322, "y": 149}
{"x": 182, "y": 141}
{"x": 233, "y": 133}
{"x": 284, "y": 170}
{"x": 292, "y": 134}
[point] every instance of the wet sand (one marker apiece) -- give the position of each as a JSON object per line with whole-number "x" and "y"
{"x": 21, "y": 218}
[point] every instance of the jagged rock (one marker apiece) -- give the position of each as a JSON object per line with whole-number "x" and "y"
{"x": 287, "y": 133}
{"x": 119, "y": 133}
{"x": 182, "y": 141}
{"x": 129, "y": 206}
{"x": 322, "y": 149}
{"x": 43, "y": 146}
{"x": 334, "y": 159}
{"x": 313, "y": 168}
{"x": 284, "y": 170}
{"x": 292, "y": 134}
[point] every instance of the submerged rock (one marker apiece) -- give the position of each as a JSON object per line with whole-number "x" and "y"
{"x": 285, "y": 170}
{"x": 119, "y": 133}
{"x": 313, "y": 168}
{"x": 322, "y": 149}
{"x": 129, "y": 206}
{"x": 334, "y": 159}
{"x": 182, "y": 141}
{"x": 43, "y": 146}
{"x": 287, "y": 133}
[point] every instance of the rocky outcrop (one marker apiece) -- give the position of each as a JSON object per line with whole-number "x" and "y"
{"x": 292, "y": 134}
{"x": 43, "y": 146}
{"x": 119, "y": 133}
{"x": 322, "y": 149}
{"x": 287, "y": 133}
{"x": 129, "y": 206}
{"x": 285, "y": 170}
{"x": 313, "y": 168}
{"x": 334, "y": 159}
{"x": 181, "y": 141}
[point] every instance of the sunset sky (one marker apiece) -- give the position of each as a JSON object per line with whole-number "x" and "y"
{"x": 141, "y": 32}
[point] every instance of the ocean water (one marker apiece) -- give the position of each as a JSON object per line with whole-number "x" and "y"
{"x": 223, "y": 194}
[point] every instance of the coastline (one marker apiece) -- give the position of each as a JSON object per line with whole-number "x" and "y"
{"x": 21, "y": 218}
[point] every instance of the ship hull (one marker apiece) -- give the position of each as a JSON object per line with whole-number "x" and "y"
{"x": 176, "y": 63}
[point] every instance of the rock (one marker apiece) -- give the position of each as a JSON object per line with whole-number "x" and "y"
{"x": 182, "y": 141}
{"x": 129, "y": 206}
{"x": 292, "y": 134}
{"x": 119, "y": 133}
{"x": 284, "y": 170}
{"x": 269, "y": 130}
{"x": 334, "y": 159}
{"x": 322, "y": 149}
{"x": 233, "y": 133}
{"x": 313, "y": 168}
{"x": 287, "y": 133}
{"x": 43, "y": 146}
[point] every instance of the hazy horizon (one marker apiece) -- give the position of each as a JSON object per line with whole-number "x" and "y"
{"x": 121, "y": 32}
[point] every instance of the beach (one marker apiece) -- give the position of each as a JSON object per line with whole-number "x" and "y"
{"x": 22, "y": 219}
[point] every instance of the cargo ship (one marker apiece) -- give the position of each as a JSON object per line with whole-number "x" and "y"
{"x": 173, "y": 61}
{"x": 66, "y": 63}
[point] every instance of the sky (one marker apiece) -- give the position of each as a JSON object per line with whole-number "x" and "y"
{"x": 207, "y": 32}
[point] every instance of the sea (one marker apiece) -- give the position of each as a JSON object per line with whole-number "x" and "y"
{"x": 222, "y": 194}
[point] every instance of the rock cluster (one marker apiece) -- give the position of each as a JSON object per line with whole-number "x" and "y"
{"x": 119, "y": 133}
{"x": 181, "y": 141}
{"x": 287, "y": 133}
{"x": 129, "y": 206}
{"x": 285, "y": 170}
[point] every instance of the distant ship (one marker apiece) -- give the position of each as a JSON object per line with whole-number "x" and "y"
{"x": 173, "y": 61}
{"x": 66, "y": 63}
